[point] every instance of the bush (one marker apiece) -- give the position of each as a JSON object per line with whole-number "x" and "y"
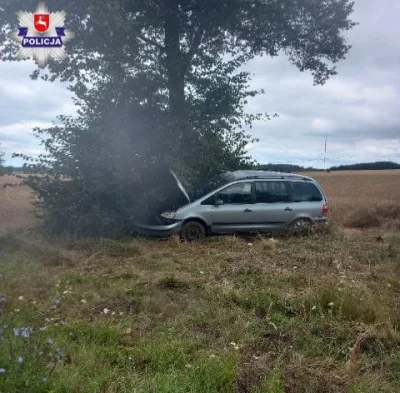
{"x": 387, "y": 217}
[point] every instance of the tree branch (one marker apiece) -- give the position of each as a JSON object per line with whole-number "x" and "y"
{"x": 151, "y": 42}
{"x": 195, "y": 44}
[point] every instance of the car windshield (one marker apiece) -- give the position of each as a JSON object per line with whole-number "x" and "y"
{"x": 214, "y": 183}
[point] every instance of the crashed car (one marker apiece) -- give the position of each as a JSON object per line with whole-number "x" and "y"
{"x": 246, "y": 201}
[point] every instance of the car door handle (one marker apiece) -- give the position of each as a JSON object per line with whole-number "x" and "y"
{"x": 288, "y": 209}
{"x": 247, "y": 210}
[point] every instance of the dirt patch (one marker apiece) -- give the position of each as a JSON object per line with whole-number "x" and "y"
{"x": 254, "y": 370}
{"x": 315, "y": 376}
{"x": 174, "y": 284}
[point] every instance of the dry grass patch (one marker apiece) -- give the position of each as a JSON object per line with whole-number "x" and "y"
{"x": 385, "y": 217}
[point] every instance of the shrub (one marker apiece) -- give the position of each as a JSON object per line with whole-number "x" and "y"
{"x": 387, "y": 216}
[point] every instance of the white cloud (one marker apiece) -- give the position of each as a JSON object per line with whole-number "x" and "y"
{"x": 319, "y": 124}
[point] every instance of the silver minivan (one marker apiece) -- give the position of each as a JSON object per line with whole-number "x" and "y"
{"x": 248, "y": 201}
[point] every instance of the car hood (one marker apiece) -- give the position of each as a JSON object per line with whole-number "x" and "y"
{"x": 180, "y": 185}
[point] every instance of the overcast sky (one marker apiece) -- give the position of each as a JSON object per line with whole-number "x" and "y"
{"x": 358, "y": 109}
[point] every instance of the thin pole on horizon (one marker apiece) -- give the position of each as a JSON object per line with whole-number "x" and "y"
{"x": 326, "y": 141}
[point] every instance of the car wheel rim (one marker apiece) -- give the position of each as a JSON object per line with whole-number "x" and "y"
{"x": 192, "y": 233}
{"x": 302, "y": 224}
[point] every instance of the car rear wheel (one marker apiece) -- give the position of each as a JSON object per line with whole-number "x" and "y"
{"x": 193, "y": 230}
{"x": 301, "y": 226}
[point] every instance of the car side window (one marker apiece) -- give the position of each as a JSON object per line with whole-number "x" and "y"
{"x": 305, "y": 192}
{"x": 272, "y": 192}
{"x": 237, "y": 194}
{"x": 209, "y": 201}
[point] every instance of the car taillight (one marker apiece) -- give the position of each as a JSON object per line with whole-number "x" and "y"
{"x": 325, "y": 209}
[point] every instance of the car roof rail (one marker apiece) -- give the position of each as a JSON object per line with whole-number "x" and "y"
{"x": 251, "y": 175}
{"x": 274, "y": 177}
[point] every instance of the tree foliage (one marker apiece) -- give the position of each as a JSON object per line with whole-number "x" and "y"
{"x": 283, "y": 168}
{"x": 378, "y": 165}
{"x": 160, "y": 84}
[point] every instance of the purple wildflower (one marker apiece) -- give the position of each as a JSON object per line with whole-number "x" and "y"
{"x": 26, "y": 332}
{"x": 1, "y": 338}
{"x": 3, "y": 298}
{"x": 20, "y": 360}
{"x": 2, "y": 370}
{"x": 16, "y": 332}
{"x": 50, "y": 341}
{"x": 1, "y": 310}
{"x": 58, "y": 301}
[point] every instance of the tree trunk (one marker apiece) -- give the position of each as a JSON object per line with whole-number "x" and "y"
{"x": 175, "y": 72}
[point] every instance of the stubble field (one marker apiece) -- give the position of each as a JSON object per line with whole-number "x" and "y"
{"x": 351, "y": 193}
{"x": 312, "y": 314}
{"x": 16, "y": 211}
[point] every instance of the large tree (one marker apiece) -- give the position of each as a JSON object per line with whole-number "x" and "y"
{"x": 163, "y": 81}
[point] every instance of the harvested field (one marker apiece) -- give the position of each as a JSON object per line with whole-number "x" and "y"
{"x": 355, "y": 198}
{"x": 16, "y": 210}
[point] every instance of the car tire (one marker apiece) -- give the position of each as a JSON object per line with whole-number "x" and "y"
{"x": 301, "y": 226}
{"x": 193, "y": 230}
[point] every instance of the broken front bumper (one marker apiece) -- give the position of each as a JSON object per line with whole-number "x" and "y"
{"x": 159, "y": 230}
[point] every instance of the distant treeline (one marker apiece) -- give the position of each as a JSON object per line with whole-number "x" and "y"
{"x": 12, "y": 169}
{"x": 284, "y": 168}
{"x": 380, "y": 165}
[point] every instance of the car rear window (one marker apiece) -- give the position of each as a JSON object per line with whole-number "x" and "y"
{"x": 272, "y": 192}
{"x": 305, "y": 192}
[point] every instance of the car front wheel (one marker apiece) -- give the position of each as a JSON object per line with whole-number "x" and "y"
{"x": 193, "y": 230}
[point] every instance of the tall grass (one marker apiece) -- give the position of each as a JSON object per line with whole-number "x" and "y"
{"x": 317, "y": 313}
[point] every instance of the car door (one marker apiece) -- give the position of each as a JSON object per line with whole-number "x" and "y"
{"x": 233, "y": 210}
{"x": 273, "y": 208}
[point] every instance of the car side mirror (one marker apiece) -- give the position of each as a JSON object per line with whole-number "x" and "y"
{"x": 219, "y": 202}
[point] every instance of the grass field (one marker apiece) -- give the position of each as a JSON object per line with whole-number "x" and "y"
{"x": 310, "y": 314}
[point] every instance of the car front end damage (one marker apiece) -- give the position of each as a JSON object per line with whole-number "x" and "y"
{"x": 162, "y": 230}
{"x": 164, "y": 224}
